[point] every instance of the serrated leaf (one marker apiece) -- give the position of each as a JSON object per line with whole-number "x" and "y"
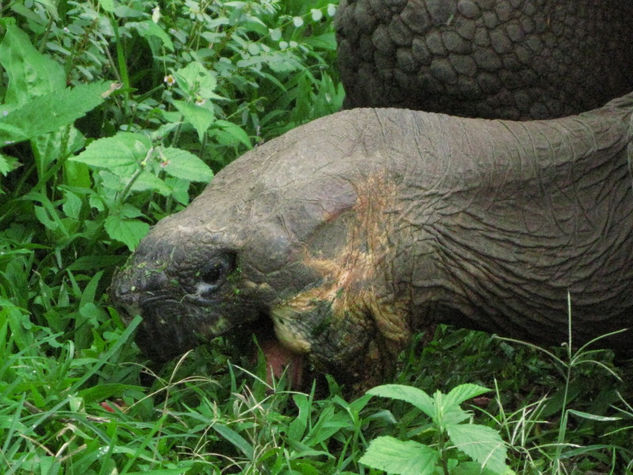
{"x": 185, "y": 165}
{"x": 483, "y": 444}
{"x": 47, "y": 147}
{"x": 128, "y": 231}
{"x": 29, "y": 72}
{"x": 464, "y": 392}
{"x": 200, "y": 117}
{"x": 448, "y": 404}
{"x": 409, "y": 394}
{"x": 8, "y": 164}
{"x": 446, "y": 411}
{"x": 124, "y": 149}
{"x": 196, "y": 80}
{"x": 47, "y": 113}
{"x": 401, "y": 457}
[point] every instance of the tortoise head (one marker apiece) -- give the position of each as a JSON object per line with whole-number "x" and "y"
{"x": 225, "y": 261}
{"x": 287, "y": 236}
{"x": 237, "y": 251}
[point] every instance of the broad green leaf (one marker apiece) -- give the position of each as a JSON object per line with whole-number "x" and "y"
{"x": 77, "y": 174}
{"x": 149, "y": 182}
{"x": 235, "y": 131}
{"x": 122, "y": 150}
{"x": 409, "y": 394}
{"x": 182, "y": 164}
{"x": 200, "y": 117}
{"x": 395, "y": 456}
{"x": 179, "y": 189}
{"x": 47, "y": 113}
{"x": 196, "y": 80}
{"x": 29, "y": 72}
{"x": 448, "y": 404}
{"x": 483, "y": 444}
{"x": 130, "y": 211}
{"x": 107, "y": 5}
{"x": 148, "y": 29}
{"x": 464, "y": 392}
{"x": 128, "y": 231}
{"x": 48, "y": 147}
{"x": 72, "y": 205}
{"x": 446, "y": 412}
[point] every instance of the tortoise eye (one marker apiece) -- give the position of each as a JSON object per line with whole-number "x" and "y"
{"x": 214, "y": 272}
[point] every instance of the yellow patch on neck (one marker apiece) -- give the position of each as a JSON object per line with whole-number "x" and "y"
{"x": 353, "y": 287}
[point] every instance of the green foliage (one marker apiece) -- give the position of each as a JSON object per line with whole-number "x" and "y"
{"x": 113, "y": 114}
{"x": 481, "y": 443}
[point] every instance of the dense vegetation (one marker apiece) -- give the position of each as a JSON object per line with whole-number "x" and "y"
{"x": 114, "y": 114}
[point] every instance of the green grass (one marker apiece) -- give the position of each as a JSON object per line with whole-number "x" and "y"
{"x": 80, "y": 79}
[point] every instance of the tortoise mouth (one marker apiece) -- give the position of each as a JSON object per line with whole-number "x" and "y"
{"x": 279, "y": 359}
{"x": 161, "y": 337}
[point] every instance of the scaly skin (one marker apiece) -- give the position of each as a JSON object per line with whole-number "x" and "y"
{"x": 353, "y": 231}
{"x": 513, "y": 59}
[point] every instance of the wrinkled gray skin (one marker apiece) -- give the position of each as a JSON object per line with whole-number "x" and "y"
{"x": 350, "y": 233}
{"x": 513, "y": 59}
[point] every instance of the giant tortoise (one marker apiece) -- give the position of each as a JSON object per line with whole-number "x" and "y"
{"x": 346, "y": 235}
{"x": 349, "y": 233}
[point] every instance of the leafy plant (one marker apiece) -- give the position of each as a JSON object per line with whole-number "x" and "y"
{"x": 114, "y": 114}
{"x": 449, "y": 435}
{"x": 571, "y": 362}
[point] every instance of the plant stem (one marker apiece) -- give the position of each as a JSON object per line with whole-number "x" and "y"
{"x": 441, "y": 444}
